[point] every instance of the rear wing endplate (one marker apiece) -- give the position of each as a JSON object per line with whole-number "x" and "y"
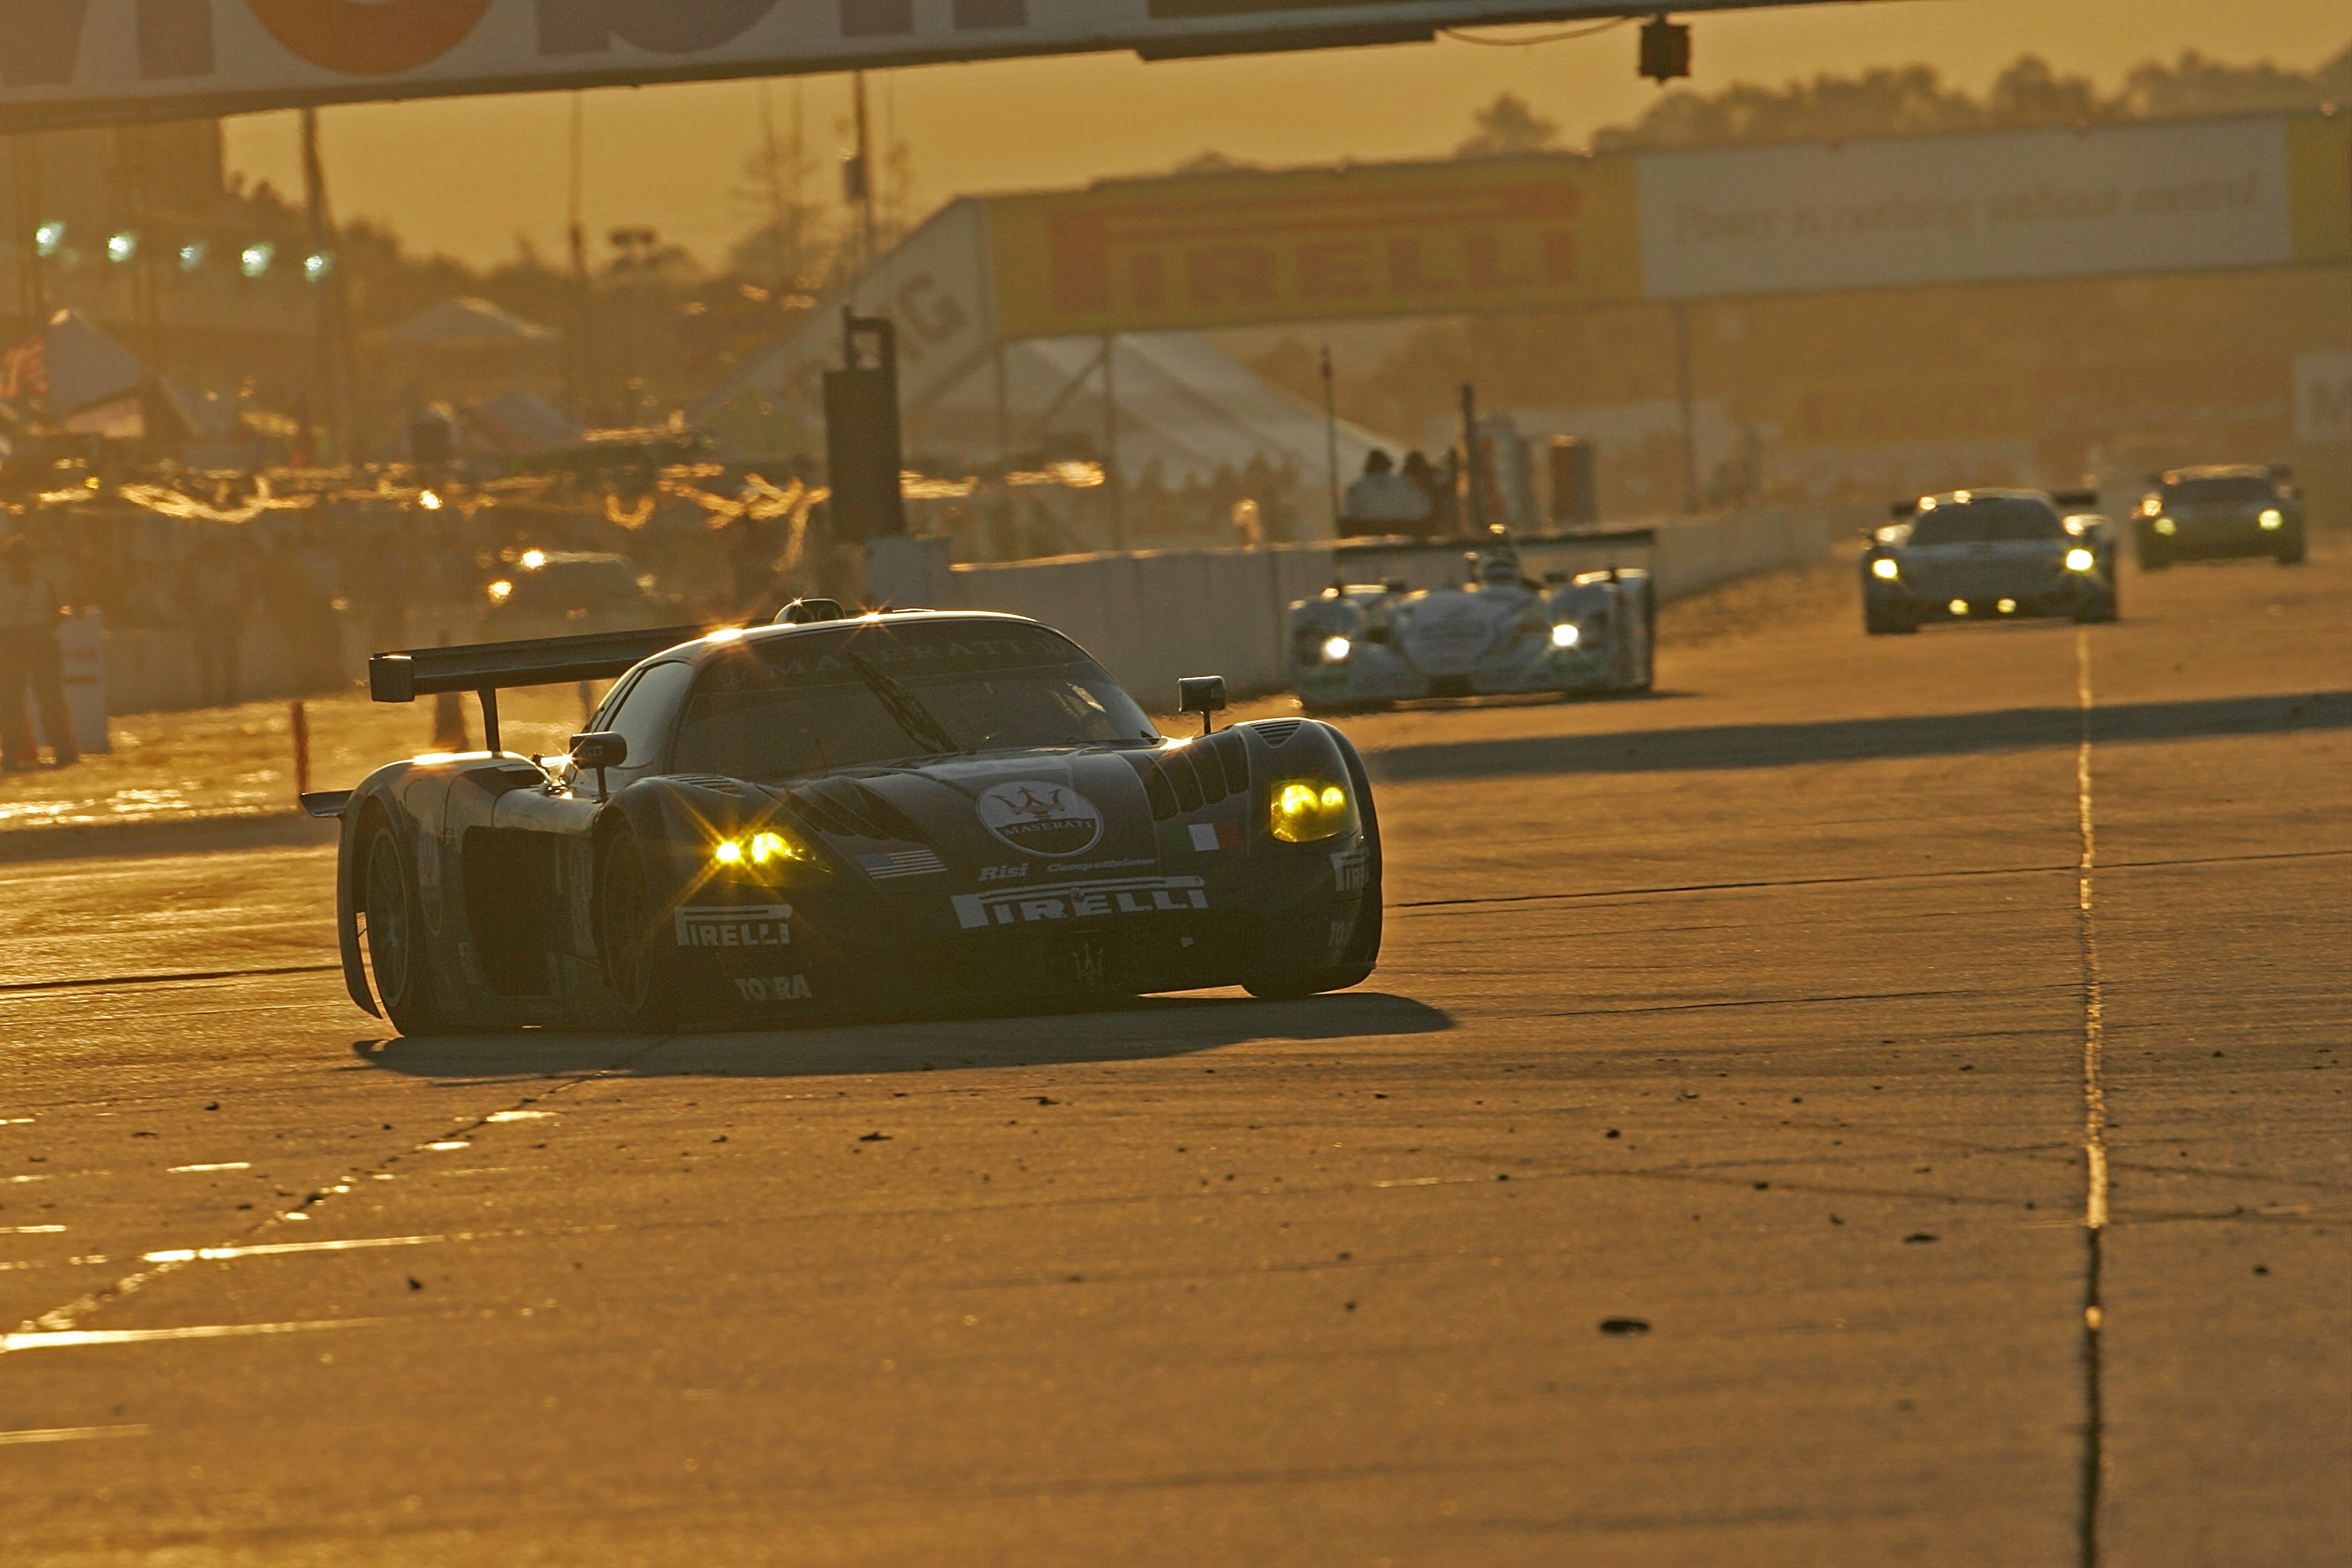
{"x": 484, "y": 667}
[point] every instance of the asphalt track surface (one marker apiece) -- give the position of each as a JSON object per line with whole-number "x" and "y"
{"x": 1939, "y": 1042}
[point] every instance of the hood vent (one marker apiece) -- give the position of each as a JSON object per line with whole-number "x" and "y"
{"x": 1180, "y": 780}
{"x": 1275, "y": 731}
{"x": 847, "y": 809}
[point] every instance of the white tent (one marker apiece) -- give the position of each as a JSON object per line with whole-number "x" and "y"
{"x": 1182, "y": 404}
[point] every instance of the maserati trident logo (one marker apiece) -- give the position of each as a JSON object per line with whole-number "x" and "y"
{"x": 1041, "y": 818}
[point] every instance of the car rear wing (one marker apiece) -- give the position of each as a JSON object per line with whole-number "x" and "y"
{"x": 1439, "y": 563}
{"x": 484, "y": 667}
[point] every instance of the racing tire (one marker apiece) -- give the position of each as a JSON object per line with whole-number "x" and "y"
{"x": 1887, "y": 626}
{"x": 1362, "y": 956}
{"x": 641, "y": 970}
{"x": 1643, "y": 673}
{"x": 396, "y": 933}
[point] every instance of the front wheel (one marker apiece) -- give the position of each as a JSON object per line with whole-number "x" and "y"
{"x": 2291, "y": 552}
{"x": 1312, "y": 983}
{"x": 639, "y": 966}
{"x": 1363, "y": 950}
{"x": 395, "y": 935}
{"x": 1887, "y": 626}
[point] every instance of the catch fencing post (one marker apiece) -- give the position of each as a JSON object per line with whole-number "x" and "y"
{"x": 300, "y": 723}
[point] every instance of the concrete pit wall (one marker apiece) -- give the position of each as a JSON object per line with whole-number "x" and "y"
{"x": 1156, "y": 616}
{"x": 1152, "y": 617}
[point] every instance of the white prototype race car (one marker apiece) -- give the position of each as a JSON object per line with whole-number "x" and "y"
{"x": 1406, "y": 620}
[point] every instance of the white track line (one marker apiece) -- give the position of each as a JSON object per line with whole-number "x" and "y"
{"x": 2094, "y": 1025}
{"x": 73, "y": 1434}
{"x": 2091, "y": 1503}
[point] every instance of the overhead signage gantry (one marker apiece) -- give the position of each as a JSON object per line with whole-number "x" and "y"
{"x": 65, "y": 62}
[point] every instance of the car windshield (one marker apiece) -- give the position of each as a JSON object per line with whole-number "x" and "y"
{"x": 2228, "y": 487}
{"x": 870, "y": 693}
{"x": 1987, "y": 521}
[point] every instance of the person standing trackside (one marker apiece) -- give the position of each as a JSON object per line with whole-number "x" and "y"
{"x": 30, "y": 658}
{"x": 1384, "y": 501}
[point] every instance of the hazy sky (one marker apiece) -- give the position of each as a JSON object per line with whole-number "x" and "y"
{"x": 469, "y": 177}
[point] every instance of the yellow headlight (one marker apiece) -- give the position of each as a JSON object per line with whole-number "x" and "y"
{"x": 1306, "y": 810}
{"x": 2080, "y": 560}
{"x": 1884, "y": 568}
{"x": 2165, "y": 525}
{"x": 772, "y": 850}
{"x": 767, "y": 846}
{"x": 2272, "y": 517}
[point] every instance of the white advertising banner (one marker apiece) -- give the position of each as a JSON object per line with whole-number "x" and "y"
{"x": 67, "y": 60}
{"x": 1957, "y": 209}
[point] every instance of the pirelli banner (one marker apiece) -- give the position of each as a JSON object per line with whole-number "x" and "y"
{"x": 1514, "y": 234}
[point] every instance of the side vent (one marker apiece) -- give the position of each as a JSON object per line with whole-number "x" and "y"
{"x": 846, "y": 808}
{"x": 1155, "y": 786}
{"x": 1184, "y": 779}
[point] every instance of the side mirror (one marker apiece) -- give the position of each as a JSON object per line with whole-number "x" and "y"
{"x": 803, "y": 612}
{"x": 1202, "y": 694}
{"x": 598, "y": 750}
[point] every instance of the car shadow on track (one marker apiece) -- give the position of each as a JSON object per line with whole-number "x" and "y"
{"x": 1148, "y": 1027}
{"x": 1854, "y": 740}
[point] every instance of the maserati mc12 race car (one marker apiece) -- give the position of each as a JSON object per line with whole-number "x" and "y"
{"x": 833, "y": 816}
{"x": 1988, "y": 555}
{"x": 1557, "y": 613}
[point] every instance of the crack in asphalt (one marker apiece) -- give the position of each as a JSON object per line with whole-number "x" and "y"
{"x": 163, "y": 1261}
{"x": 1764, "y": 882}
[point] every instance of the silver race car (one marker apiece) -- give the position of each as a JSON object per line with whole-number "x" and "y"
{"x": 1403, "y": 621}
{"x": 1988, "y": 555}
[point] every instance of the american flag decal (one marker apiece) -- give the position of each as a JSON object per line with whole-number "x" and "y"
{"x": 901, "y": 863}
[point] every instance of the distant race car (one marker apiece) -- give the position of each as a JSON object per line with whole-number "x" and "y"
{"x": 836, "y": 818}
{"x": 2201, "y": 513}
{"x": 1476, "y": 618}
{"x": 1988, "y": 555}
{"x": 565, "y": 592}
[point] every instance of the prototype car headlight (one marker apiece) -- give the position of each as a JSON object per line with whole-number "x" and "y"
{"x": 2080, "y": 560}
{"x": 1305, "y": 810}
{"x": 1335, "y": 648}
{"x": 1566, "y": 634}
{"x": 2272, "y": 517}
{"x": 772, "y": 854}
{"x": 1884, "y": 569}
{"x": 2166, "y": 526}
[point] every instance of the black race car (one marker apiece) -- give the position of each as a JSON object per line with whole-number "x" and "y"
{"x": 834, "y": 817}
{"x": 1988, "y": 555}
{"x": 2204, "y": 514}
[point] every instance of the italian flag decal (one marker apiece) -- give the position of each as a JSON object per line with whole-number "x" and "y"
{"x": 1200, "y": 838}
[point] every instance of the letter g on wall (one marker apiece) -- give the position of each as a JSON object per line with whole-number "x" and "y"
{"x": 370, "y": 37}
